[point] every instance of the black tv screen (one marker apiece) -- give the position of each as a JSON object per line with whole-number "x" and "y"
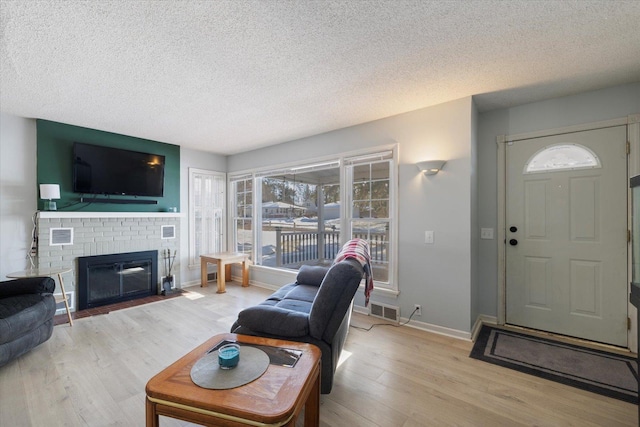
{"x": 105, "y": 170}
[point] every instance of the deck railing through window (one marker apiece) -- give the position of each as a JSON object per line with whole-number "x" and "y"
{"x": 299, "y": 247}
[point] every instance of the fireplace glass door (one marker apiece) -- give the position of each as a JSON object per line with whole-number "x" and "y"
{"x": 115, "y": 280}
{"x": 107, "y": 279}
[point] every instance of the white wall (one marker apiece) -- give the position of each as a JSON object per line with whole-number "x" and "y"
{"x": 190, "y": 275}
{"x": 436, "y": 276}
{"x": 18, "y": 191}
{"x": 587, "y": 107}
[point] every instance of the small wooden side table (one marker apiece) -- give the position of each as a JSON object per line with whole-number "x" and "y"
{"x": 224, "y": 261}
{"x": 50, "y": 272}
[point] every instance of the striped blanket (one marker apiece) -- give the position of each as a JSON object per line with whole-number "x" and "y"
{"x": 359, "y": 250}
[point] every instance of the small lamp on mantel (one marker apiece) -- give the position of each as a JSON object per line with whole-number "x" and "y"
{"x": 50, "y": 192}
{"x": 431, "y": 167}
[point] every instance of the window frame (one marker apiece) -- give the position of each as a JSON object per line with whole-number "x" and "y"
{"x": 579, "y": 150}
{"x": 389, "y": 156}
{"x": 232, "y": 181}
{"x": 391, "y": 287}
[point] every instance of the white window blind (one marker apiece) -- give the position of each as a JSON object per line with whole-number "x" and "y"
{"x": 206, "y": 213}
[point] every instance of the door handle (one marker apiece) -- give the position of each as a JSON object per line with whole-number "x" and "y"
{"x": 513, "y": 242}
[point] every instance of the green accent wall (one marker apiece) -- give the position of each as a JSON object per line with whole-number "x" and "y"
{"x": 55, "y": 160}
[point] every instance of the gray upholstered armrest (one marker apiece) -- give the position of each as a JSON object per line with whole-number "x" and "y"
{"x": 30, "y": 285}
{"x": 274, "y": 321}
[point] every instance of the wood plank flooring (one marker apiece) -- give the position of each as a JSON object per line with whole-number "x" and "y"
{"x": 94, "y": 374}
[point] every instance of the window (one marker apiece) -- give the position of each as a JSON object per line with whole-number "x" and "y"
{"x": 305, "y": 213}
{"x": 562, "y": 157}
{"x": 206, "y": 213}
{"x": 242, "y": 235}
{"x": 371, "y": 204}
{"x": 300, "y": 215}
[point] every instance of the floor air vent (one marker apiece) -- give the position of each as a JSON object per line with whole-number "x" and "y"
{"x": 384, "y": 311}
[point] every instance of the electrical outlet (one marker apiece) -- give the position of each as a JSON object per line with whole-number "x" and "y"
{"x": 486, "y": 233}
{"x": 428, "y": 237}
{"x": 417, "y": 309}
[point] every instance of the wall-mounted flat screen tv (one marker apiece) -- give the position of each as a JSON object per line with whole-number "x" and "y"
{"x": 105, "y": 170}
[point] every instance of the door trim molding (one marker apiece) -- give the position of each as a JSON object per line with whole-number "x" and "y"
{"x": 633, "y": 136}
{"x": 501, "y": 231}
{"x": 568, "y": 129}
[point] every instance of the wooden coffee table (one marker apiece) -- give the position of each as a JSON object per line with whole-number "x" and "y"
{"x": 274, "y": 399}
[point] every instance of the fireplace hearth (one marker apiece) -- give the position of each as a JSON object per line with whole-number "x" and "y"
{"x": 108, "y": 279}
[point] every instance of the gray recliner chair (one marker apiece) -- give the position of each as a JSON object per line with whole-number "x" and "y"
{"x": 27, "y": 307}
{"x": 316, "y": 309}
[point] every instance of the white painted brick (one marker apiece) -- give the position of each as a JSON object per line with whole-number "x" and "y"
{"x": 53, "y": 259}
{"x": 103, "y": 229}
{"x": 81, "y": 240}
{"x": 101, "y": 236}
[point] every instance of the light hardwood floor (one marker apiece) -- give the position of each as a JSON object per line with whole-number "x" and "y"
{"x": 94, "y": 374}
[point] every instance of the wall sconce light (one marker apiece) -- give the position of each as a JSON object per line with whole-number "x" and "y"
{"x": 431, "y": 167}
{"x": 50, "y": 192}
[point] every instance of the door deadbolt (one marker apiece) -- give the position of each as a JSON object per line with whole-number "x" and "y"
{"x": 513, "y": 229}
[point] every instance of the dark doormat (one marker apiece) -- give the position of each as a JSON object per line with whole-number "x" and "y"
{"x": 597, "y": 371}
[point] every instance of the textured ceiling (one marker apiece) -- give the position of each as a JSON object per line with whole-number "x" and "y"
{"x": 230, "y": 76}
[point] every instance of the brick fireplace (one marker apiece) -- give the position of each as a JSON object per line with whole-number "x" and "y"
{"x": 103, "y": 233}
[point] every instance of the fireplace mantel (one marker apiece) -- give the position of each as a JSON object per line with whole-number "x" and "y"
{"x": 64, "y": 214}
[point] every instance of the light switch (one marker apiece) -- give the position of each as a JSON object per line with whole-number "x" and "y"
{"x": 428, "y": 237}
{"x": 486, "y": 233}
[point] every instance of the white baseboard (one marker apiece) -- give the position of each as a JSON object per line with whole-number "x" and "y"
{"x": 423, "y": 326}
{"x": 361, "y": 310}
{"x": 189, "y": 284}
{"x": 441, "y": 330}
{"x": 263, "y": 285}
{"x": 483, "y": 319}
{"x": 235, "y": 279}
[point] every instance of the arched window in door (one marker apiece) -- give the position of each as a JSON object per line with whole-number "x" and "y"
{"x": 561, "y": 157}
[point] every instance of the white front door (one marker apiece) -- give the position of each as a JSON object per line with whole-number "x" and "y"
{"x": 566, "y": 234}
